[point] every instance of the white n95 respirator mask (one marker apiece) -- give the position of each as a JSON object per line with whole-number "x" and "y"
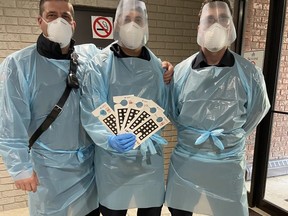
{"x": 60, "y": 31}
{"x": 131, "y": 35}
{"x": 215, "y": 38}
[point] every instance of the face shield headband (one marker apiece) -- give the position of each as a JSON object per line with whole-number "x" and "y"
{"x": 216, "y": 29}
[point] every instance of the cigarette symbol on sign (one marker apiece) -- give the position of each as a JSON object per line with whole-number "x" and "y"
{"x": 104, "y": 26}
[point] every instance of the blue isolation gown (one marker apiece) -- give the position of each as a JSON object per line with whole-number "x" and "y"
{"x": 134, "y": 179}
{"x": 63, "y": 155}
{"x": 214, "y": 109}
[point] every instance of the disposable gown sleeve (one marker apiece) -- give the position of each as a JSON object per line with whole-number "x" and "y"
{"x": 14, "y": 120}
{"x": 258, "y": 102}
{"x": 165, "y": 90}
{"x": 172, "y": 104}
{"x": 94, "y": 93}
{"x": 180, "y": 75}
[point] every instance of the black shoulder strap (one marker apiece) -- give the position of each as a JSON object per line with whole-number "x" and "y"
{"x": 72, "y": 82}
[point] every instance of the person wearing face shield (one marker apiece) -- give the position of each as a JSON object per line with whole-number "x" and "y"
{"x": 126, "y": 177}
{"x": 217, "y": 99}
{"x": 58, "y": 172}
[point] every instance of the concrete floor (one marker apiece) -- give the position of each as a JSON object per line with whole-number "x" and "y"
{"x": 131, "y": 212}
{"x": 276, "y": 192}
{"x": 25, "y": 212}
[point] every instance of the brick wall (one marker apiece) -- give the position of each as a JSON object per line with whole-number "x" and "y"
{"x": 172, "y": 28}
{"x": 279, "y": 149}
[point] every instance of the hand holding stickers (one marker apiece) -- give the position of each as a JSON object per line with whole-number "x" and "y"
{"x": 132, "y": 114}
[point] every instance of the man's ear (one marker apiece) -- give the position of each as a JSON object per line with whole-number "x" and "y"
{"x": 74, "y": 24}
{"x": 39, "y": 20}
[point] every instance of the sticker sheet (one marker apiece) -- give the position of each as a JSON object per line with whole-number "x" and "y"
{"x": 148, "y": 109}
{"x": 122, "y": 104}
{"x": 148, "y": 127}
{"x": 107, "y": 116}
{"x": 132, "y": 114}
{"x": 135, "y": 108}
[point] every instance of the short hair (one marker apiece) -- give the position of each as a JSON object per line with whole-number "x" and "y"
{"x": 208, "y": 1}
{"x": 41, "y": 8}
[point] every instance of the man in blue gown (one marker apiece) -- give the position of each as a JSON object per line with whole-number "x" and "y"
{"x": 217, "y": 99}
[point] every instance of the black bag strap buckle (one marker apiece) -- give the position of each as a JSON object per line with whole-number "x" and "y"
{"x": 72, "y": 80}
{"x": 56, "y": 111}
{"x": 74, "y": 58}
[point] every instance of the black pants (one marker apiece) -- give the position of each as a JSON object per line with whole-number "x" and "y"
{"x": 178, "y": 212}
{"x": 95, "y": 212}
{"x": 154, "y": 211}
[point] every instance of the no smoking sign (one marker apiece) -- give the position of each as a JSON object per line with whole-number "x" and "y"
{"x": 102, "y": 27}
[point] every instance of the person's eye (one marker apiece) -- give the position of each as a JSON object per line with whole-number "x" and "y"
{"x": 52, "y": 16}
{"x": 210, "y": 20}
{"x": 127, "y": 20}
{"x": 139, "y": 21}
{"x": 67, "y": 18}
{"x": 224, "y": 21}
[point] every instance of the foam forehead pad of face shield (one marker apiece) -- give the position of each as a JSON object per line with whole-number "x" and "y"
{"x": 216, "y": 12}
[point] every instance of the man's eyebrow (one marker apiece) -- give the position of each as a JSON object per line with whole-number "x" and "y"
{"x": 224, "y": 15}
{"x": 68, "y": 13}
{"x": 210, "y": 16}
{"x": 51, "y": 12}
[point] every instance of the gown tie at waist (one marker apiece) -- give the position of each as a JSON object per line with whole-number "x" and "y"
{"x": 214, "y": 134}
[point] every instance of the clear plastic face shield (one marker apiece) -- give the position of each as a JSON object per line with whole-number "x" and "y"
{"x": 216, "y": 29}
{"x": 131, "y": 24}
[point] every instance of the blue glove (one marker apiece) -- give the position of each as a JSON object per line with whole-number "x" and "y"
{"x": 122, "y": 142}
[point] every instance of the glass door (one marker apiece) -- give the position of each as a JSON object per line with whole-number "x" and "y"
{"x": 268, "y": 188}
{"x": 276, "y": 190}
